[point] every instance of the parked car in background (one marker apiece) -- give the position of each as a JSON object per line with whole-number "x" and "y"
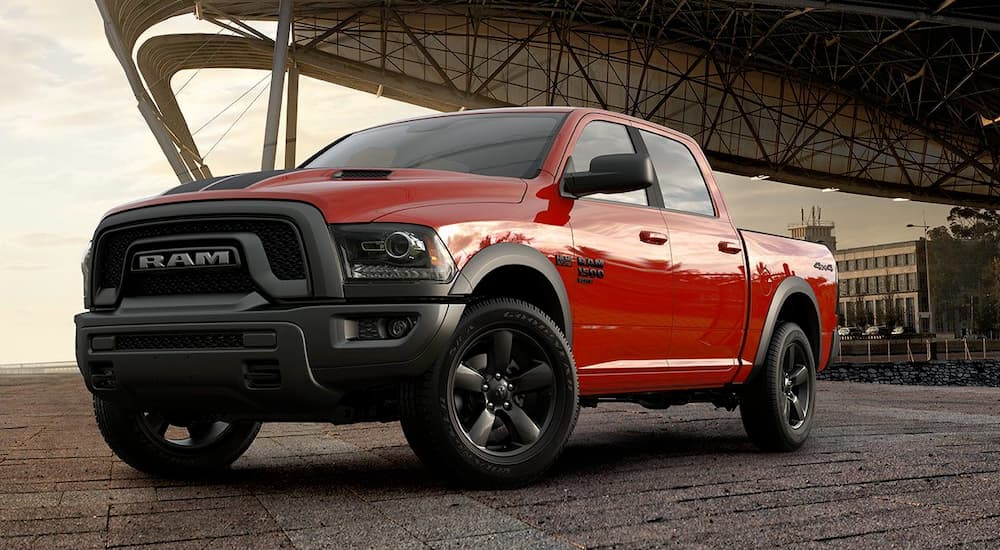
{"x": 876, "y": 330}
{"x": 902, "y": 332}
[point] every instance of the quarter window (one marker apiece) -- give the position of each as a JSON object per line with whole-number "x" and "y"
{"x": 604, "y": 138}
{"x": 679, "y": 175}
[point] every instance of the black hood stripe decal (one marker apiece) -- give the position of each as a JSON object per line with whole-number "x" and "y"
{"x": 236, "y": 181}
{"x": 192, "y": 186}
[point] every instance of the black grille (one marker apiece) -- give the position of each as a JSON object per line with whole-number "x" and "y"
{"x": 169, "y": 283}
{"x": 280, "y": 240}
{"x": 180, "y": 341}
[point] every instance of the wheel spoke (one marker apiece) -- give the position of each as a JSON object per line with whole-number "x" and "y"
{"x": 479, "y": 433}
{"x": 499, "y": 356}
{"x": 204, "y": 432}
{"x": 538, "y": 377}
{"x": 468, "y": 379}
{"x": 790, "y": 359}
{"x": 799, "y": 376}
{"x": 800, "y": 415}
{"x": 524, "y": 427}
{"x": 476, "y": 362}
{"x": 157, "y": 423}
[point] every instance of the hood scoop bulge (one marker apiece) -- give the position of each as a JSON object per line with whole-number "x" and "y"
{"x": 361, "y": 174}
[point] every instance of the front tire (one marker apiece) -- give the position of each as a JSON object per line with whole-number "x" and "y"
{"x": 498, "y": 407}
{"x": 149, "y": 442}
{"x": 778, "y": 405}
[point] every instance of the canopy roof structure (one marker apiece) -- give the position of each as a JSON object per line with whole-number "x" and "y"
{"x": 888, "y": 98}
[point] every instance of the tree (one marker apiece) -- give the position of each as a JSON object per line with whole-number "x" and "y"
{"x": 963, "y": 260}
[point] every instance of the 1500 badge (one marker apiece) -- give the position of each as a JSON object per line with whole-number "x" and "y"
{"x": 587, "y": 269}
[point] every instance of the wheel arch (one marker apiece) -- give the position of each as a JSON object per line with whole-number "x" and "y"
{"x": 794, "y": 300}
{"x": 518, "y": 271}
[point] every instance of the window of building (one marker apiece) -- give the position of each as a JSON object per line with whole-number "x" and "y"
{"x": 911, "y": 259}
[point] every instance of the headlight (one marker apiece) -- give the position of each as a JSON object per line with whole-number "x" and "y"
{"x": 392, "y": 252}
{"x": 85, "y": 268}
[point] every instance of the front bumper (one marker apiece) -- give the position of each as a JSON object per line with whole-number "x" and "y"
{"x": 266, "y": 363}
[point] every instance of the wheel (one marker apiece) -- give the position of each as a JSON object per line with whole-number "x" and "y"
{"x": 149, "y": 443}
{"x": 497, "y": 408}
{"x": 778, "y": 405}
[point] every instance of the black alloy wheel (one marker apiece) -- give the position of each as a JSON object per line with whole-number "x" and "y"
{"x": 502, "y": 392}
{"x": 154, "y": 443}
{"x": 778, "y": 403}
{"x": 498, "y": 407}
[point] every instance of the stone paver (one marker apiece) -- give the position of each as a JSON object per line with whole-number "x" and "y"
{"x": 887, "y": 465}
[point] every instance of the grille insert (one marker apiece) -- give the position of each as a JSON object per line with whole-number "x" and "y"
{"x": 279, "y": 238}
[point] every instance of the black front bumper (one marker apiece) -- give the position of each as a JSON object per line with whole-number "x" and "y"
{"x": 264, "y": 363}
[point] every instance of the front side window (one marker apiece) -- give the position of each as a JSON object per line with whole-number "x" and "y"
{"x": 681, "y": 181}
{"x": 604, "y": 138}
{"x": 510, "y": 145}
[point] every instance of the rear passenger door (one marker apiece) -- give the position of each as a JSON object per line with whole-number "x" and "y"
{"x": 620, "y": 314}
{"x": 707, "y": 279}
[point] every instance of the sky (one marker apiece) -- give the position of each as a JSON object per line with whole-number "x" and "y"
{"x": 73, "y": 145}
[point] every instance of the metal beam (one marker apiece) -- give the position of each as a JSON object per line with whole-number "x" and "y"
{"x": 292, "y": 114}
{"x": 146, "y": 106}
{"x": 878, "y": 11}
{"x": 277, "y": 85}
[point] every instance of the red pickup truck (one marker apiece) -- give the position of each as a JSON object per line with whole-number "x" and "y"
{"x": 478, "y": 276}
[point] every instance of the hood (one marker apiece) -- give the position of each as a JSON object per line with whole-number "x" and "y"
{"x": 348, "y": 195}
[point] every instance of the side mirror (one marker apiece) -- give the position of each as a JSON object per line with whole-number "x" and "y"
{"x": 617, "y": 173}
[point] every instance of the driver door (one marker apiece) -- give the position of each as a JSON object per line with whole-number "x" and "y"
{"x": 621, "y": 318}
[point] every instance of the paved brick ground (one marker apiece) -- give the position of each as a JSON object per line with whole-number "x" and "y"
{"x": 887, "y": 465}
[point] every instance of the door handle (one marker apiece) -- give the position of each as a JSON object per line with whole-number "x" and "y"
{"x": 729, "y": 247}
{"x": 652, "y": 237}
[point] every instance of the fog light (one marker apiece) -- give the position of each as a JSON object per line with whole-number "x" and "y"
{"x": 398, "y": 327}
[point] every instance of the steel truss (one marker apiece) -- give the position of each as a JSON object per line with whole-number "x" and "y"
{"x": 880, "y": 98}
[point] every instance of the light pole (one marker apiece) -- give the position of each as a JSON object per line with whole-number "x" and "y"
{"x": 927, "y": 271}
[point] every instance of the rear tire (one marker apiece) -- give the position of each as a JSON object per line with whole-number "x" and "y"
{"x": 497, "y": 409}
{"x": 141, "y": 440}
{"x": 778, "y": 405}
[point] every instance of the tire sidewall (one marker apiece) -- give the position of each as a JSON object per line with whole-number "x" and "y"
{"x": 795, "y": 437}
{"x": 512, "y": 315}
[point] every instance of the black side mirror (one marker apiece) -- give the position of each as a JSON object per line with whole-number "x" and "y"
{"x": 617, "y": 173}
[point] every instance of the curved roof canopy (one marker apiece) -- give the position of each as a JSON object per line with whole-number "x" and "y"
{"x": 885, "y": 98}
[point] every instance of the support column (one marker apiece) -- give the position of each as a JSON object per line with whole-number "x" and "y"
{"x": 146, "y": 105}
{"x": 277, "y": 85}
{"x": 292, "y": 114}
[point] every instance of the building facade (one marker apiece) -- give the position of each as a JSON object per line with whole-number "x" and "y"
{"x": 884, "y": 284}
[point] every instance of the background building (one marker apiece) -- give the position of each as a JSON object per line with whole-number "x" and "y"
{"x": 814, "y": 229}
{"x": 884, "y": 284}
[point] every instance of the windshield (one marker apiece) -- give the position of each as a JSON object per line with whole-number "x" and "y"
{"x": 494, "y": 144}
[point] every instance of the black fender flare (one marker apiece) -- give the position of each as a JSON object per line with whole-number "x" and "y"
{"x": 787, "y": 288}
{"x": 500, "y": 255}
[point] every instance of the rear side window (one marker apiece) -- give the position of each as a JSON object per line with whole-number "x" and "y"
{"x": 604, "y": 138}
{"x": 680, "y": 178}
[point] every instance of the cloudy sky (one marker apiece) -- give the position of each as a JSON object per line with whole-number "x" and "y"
{"x": 73, "y": 145}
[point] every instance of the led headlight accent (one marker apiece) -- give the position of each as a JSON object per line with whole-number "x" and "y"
{"x": 392, "y": 252}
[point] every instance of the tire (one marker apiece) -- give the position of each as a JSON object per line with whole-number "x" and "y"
{"x": 497, "y": 409}
{"x": 141, "y": 440}
{"x": 771, "y": 419}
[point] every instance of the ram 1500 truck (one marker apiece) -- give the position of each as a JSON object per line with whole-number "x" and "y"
{"x": 478, "y": 276}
